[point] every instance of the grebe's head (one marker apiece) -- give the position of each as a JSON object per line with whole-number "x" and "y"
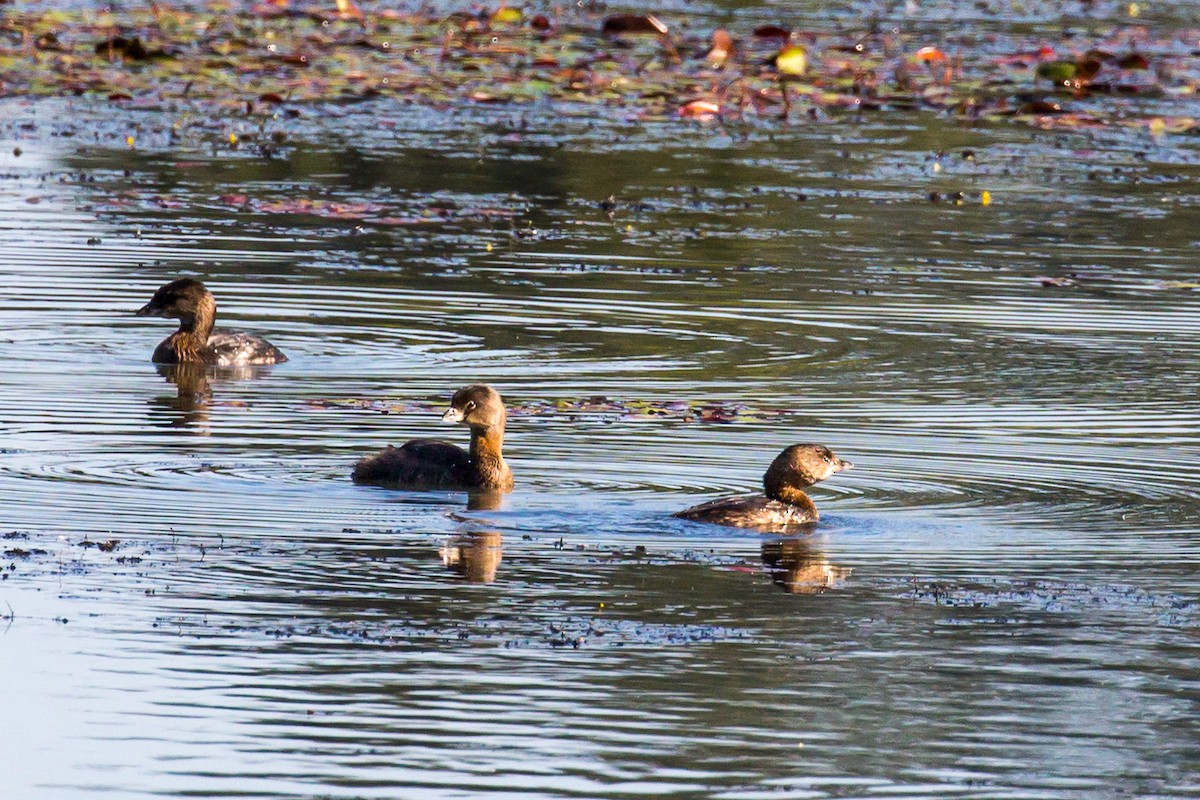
{"x": 801, "y": 465}
{"x": 477, "y": 405}
{"x": 181, "y": 299}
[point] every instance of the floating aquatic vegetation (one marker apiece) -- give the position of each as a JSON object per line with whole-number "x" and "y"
{"x": 681, "y": 410}
{"x": 274, "y": 57}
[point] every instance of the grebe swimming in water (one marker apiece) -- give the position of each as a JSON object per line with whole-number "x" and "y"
{"x": 433, "y": 464}
{"x": 196, "y": 341}
{"x": 784, "y": 505}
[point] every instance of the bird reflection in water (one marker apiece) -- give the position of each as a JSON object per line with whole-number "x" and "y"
{"x": 798, "y": 566}
{"x": 188, "y": 408}
{"x": 475, "y": 555}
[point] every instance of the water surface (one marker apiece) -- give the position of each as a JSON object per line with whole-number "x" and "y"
{"x": 999, "y": 602}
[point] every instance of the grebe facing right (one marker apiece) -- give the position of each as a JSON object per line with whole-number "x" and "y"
{"x": 433, "y": 464}
{"x": 784, "y": 506}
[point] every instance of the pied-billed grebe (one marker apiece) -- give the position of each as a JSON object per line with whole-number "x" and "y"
{"x": 196, "y": 341}
{"x": 433, "y": 464}
{"x": 784, "y": 505}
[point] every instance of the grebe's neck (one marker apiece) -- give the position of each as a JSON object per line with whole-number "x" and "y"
{"x": 793, "y": 497}
{"x": 201, "y": 320}
{"x": 487, "y": 457}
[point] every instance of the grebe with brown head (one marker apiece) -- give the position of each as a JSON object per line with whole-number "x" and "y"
{"x": 434, "y": 464}
{"x": 784, "y": 506}
{"x": 197, "y": 341}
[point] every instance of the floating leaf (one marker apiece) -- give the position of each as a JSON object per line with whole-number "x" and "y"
{"x": 633, "y": 23}
{"x": 131, "y": 48}
{"x": 722, "y": 49}
{"x": 348, "y": 9}
{"x": 506, "y": 15}
{"x": 1041, "y": 107}
{"x": 930, "y": 55}
{"x": 771, "y": 32}
{"x": 700, "y": 109}
{"x": 1087, "y": 69}
{"x": 1133, "y": 61}
{"x": 791, "y": 60}
{"x": 1057, "y": 71}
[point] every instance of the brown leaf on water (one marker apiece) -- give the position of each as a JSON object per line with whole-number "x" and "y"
{"x": 633, "y": 23}
{"x": 771, "y": 32}
{"x": 129, "y": 47}
{"x": 1133, "y": 60}
{"x": 722, "y": 49}
{"x": 319, "y": 208}
{"x": 1040, "y": 107}
{"x": 270, "y": 97}
{"x": 929, "y": 55}
{"x": 1087, "y": 69}
{"x": 48, "y": 41}
{"x": 269, "y": 9}
{"x": 700, "y": 109}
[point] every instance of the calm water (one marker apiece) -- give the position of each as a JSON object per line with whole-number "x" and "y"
{"x": 1010, "y": 574}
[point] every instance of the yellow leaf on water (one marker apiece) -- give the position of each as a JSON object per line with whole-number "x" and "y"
{"x": 348, "y": 8}
{"x": 507, "y": 16}
{"x": 792, "y": 60}
{"x": 986, "y": 198}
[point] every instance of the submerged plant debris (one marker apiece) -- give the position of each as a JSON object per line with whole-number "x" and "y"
{"x": 1053, "y": 596}
{"x": 243, "y": 62}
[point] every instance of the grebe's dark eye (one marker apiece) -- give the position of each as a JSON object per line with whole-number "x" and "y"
{"x": 470, "y": 405}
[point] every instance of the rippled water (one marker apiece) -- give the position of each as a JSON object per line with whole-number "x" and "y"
{"x": 1000, "y": 600}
